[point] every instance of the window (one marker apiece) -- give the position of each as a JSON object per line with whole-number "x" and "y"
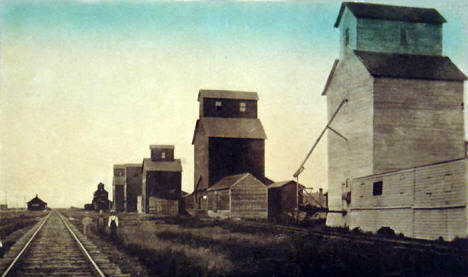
{"x": 346, "y": 37}
{"x": 219, "y": 105}
{"x": 403, "y": 36}
{"x": 377, "y": 188}
{"x": 242, "y": 107}
{"x": 163, "y": 155}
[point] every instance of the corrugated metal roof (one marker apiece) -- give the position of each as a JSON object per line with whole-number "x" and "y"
{"x": 150, "y": 165}
{"x": 220, "y": 127}
{"x": 229, "y": 181}
{"x": 230, "y": 94}
{"x": 388, "y": 12}
{"x": 410, "y": 66}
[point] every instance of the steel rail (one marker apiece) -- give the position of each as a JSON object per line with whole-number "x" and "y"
{"x": 25, "y": 247}
{"x": 83, "y": 249}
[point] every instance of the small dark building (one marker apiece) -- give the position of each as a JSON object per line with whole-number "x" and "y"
{"x": 161, "y": 181}
{"x": 238, "y": 196}
{"x": 132, "y": 186}
{"x": 89, "y": 207}
{"x": 283, "y": 200}
{"x": 228, "y": 139}
{"x": 36, "y": 204}
{"x": 118, "y": 188}
{"x": 101, "y": 199}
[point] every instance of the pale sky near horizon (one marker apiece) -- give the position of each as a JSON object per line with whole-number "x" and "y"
{"x": 88, "y": 84}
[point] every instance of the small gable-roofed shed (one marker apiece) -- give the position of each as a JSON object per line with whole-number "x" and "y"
{"x": 238, "y": 196}
{"x": 283, "y": 198}
{"x": 390, "y": 12}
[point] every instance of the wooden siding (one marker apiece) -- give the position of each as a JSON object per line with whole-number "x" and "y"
{"x": 230, "y": 108}
{"x": 201, "y": 162}
{"x": 435, "y": 223}
{"x": 219, "y": 204}
{"x": 397, "y": 191}
{"x": 189, "y": 202}
{"x": 133, "y": 187}
{"x": 282, "y": 202}
{"x": 249, "y": 199}
{"x": 425, "y": 202}
{"x": 416, "y": 122}
{"x": 352, "y": 158}
{"x": 349, "y": 22}
{"x": 399, "y": 219}
{"x": 160, "y": 184}
{"x": 163, "y": 207}
{"x": 230, "y": 156}
{"x": 156, "y": 154}
{"x": 441, "y": 185}
{"x": 379, "y": 35}
{"x": 165, "y": 185}
{"x": 119, "y": 198}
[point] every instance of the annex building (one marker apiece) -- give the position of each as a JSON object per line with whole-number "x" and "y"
{"x": 403, "y": 164}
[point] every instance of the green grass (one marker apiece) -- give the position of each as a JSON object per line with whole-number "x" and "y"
{"x": 11, "y": 221}
{"x": 190, "y": 247}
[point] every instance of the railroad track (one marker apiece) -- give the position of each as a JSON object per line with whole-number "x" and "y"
{"x": 54, "y": 247}
{"x": 421, "y": 245}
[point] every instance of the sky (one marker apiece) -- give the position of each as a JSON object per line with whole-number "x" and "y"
{"x": 88, "y": 84}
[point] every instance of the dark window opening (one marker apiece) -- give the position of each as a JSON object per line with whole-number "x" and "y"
{"x": 377, "y": 188}
{"x": 346, "y": 37}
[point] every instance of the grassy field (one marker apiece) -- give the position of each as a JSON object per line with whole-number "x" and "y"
{"x": 189, "y": 247}
{"x": 14, "y": 223}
